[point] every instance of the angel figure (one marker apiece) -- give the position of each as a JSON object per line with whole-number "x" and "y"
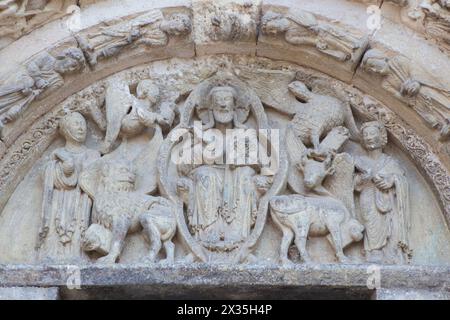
{"x": 413, "y": 86}
{"x": 437, "y": 20}
{"x": 66, "y": 209}
{"x": 128, "y": 115}
{"x": 44, "y": 74}
{"x": 110, "y": 40}
{"x": 384, "y": 199}
{"x": 301, "y": 28}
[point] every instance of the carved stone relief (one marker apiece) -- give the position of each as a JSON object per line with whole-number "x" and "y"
{"x": 226, "y": 25}
{"x": 413, "y": 86}
{"x": 148, "y": 30}
{"x": 428, "y": 17}
{"x": 18, "y": 17}
{"x": 43, "y": 75}
{"x": 437, "y": 21}
{"x": 335, "y": 185}
{"x": 283, "y": 141}
{"x": 295, "y": 31}
{"x": 66, "y": 208}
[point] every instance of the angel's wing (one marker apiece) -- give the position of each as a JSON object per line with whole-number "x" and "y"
{"x": 118, "y": 102}
{"x": 296, "y": 150}
{"x": 145, "y": 164}
{"x": 341, "y": 183}
{"x": 90, "y": 178}
{"x": 271, "y": 86}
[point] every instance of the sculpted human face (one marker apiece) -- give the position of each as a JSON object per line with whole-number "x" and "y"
{"x": 223, "y": 106}
{"x": 67, "y": 65}
{"x": 372, "y": 138}
{"x": 76, "y": 129}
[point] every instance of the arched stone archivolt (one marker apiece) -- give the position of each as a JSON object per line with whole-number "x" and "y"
{"x": 344, "y": 60}
{"x": 336, "y": 47}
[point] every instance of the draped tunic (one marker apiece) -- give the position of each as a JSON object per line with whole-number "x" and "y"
{"x": 385, "y": 213}
{"x": 66, "y": 209}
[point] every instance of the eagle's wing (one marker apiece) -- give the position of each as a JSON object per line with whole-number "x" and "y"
{"x": 90, "y": 178}
{"x": 271, "y": 86}
{"x": 118, "y": 102}
{"x": 341, "y": 183}
{"x": 296, "y": 150}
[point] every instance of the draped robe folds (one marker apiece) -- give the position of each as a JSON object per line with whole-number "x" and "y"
{"x": 40, "y": 76}
{"x": 208, "y": 188}
{"x": 243, "y": 200}
{"x": 437, "y": 21}
{"x": 224, "y": 203}
{"x": 307, "y": 31}
{"x": 66, "y": 209}
{"x": 385, "y": 214}
{"x": 113, "y": 38}
{"x": 13, "y": 99}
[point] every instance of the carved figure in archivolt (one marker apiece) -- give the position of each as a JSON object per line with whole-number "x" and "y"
{"x": 437, "y": 20}
{"x": 413, "y": 86}
{"x": 149, "y": 29}
{"x": 66, "y": 208}
{"x": 301, "y": 28}
{"x": 384, "y": 199}
{"x": 43, "y": 75}
{"x": 20, "y": 16}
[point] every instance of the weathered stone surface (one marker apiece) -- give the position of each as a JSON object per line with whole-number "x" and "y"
{"x": 226, "y": 26}
{"x": 412, "y": 294}
{"x": 303, "y": 37}
{"x": 28, "y": 293}
{"x": 164, "y": 148}
{"x": 179, "y": 281}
